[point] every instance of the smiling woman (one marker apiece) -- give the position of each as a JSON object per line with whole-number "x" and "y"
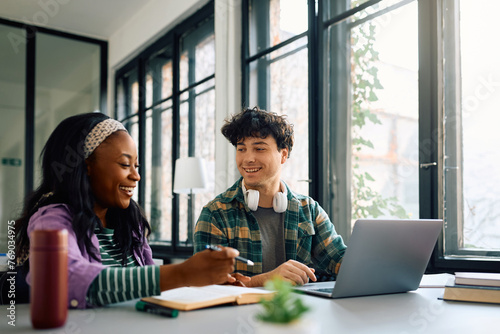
{"x": 113, "y": 175}
{"x": 89, "y": 168}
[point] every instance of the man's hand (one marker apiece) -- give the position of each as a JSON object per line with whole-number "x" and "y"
{"x": 295, "y": 272}
{"x": 292, "y": 271}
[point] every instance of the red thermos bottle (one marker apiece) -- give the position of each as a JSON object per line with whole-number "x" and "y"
{"x": 49, "y": 278}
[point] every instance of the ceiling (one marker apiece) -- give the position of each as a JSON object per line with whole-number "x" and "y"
{"x": 92, "y": 18}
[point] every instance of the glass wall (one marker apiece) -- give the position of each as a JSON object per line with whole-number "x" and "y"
{"x": 67, "y": 83}
{"x": 45, "y": 76}
{"x": 12, "y": 127}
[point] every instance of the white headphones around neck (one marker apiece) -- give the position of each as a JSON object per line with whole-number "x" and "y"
{"x": 280, "y": 201}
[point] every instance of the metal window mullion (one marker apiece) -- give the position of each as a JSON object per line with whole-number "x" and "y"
{"x": 245, "y": 51}
{"x": 141, "y": 80}
{"x": 30, "y": 110}
{"x": 175, "y": 136}
{"x": 191, "y": 133}
{"x": 430, "y": 109}
{"x": 156, "y": 147}
{"x": 287, "y": 54}
{"x": 275, "y": 47}
{"x": 452, "y": 163}
{"x": 348, "y": 13}
{"x": 336, "y": 62}
{"x": 196, "y": 84}
{"x": 316, "y": 117}
{"x": 430, "y": 106}
{"x": 127, "y": 107}
{"x": 103, "y": 86}
{"x": 379, "y": 13}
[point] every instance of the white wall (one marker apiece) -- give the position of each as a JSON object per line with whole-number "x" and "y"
{"x": 227, "y": 86}
{"x": 154, "y": 20}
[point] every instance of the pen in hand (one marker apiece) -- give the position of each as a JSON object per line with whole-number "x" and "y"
{"x": 239, "y": 258}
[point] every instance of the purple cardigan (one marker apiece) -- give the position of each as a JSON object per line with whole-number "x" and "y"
{"x": 83, "y": 269}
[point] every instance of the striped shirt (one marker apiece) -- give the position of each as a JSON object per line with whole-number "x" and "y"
{"x": 111, "y": 254}
{"x": 119, "y": 283}
{"x": 310, "y": 237}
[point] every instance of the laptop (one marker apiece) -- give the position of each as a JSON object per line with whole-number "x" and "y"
{"x": 383, "y": 256}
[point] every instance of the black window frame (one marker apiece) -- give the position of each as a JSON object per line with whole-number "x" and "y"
{"x": 165, "y": 250}
{"x": 318, "y": 188}
{"x": 329, "y": 151}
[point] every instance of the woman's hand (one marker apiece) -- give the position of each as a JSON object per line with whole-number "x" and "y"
{"x": 203, "y": 268}
{"x": 238, "y": 279}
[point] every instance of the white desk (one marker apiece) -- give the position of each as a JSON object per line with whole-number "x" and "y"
{"x": 412, "y": 312}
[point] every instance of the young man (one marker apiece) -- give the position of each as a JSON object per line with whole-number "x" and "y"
{"x": 282, "y": 232}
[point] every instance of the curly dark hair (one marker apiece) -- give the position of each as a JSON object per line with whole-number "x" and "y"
{"x": 259, "y": 123}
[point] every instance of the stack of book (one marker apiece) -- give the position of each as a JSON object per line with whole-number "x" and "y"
{"x": 474, "y": 287}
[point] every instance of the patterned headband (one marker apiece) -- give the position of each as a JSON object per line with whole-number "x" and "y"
{"x": 99, "y": 133}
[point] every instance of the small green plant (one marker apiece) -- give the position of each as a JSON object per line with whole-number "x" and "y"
{"x": 285, "y": 306}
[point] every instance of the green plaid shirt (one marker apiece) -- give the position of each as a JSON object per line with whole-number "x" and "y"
{"x": 310, "y": 237}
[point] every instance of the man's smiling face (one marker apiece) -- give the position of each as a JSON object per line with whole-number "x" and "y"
{"x": 259, "y": 162}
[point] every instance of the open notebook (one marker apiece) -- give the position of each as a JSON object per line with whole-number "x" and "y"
{"x": 192, "y": 298}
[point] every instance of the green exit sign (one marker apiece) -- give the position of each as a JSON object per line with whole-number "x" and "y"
{"x": 11, "y": 162}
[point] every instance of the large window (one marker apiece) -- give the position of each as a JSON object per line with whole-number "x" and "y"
{"x": 471, "y": 96}
{"x": 376, "y": 96}
{"x": 277, "y": 69}
{"x": 166, "y": 98}
{"x": 401, "y": 100}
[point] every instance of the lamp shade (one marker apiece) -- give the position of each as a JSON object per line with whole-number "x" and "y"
{"x": 189, "y": 175}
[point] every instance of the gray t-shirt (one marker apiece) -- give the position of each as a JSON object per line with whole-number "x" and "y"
{"x": 271, "y": 225}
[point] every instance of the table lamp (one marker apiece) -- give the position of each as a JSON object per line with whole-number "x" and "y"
{"x": 190, "y": 178}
